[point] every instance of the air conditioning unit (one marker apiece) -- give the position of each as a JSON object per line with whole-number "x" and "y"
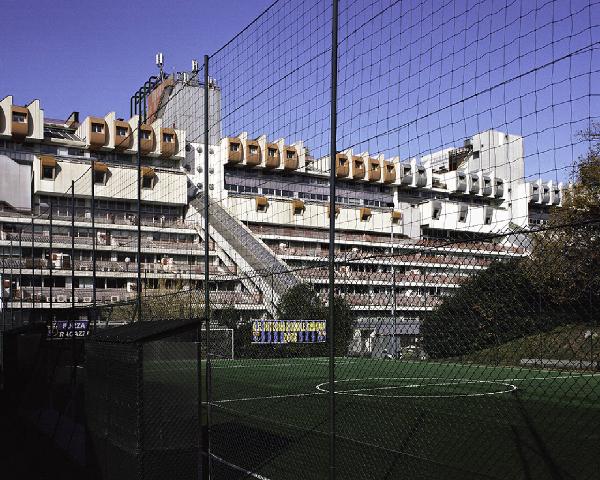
{"x": 61, "y": 298}
{"x": 114, "y": 298}
{"x": 87, "y": 299}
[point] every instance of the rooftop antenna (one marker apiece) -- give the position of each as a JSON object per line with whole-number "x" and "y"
{"x": 160, "y": 63}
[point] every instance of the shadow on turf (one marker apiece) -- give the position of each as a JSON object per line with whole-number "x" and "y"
{"x": 248, "y": 447}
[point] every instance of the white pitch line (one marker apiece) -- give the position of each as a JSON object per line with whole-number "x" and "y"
{"x": 346, "y": 362}
{"x": 238, "y": 468}
{"x": 268, "y": 397}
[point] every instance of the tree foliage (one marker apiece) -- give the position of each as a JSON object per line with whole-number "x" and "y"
{"x": 495, "y": 306}
{"x": 557, "y": 284}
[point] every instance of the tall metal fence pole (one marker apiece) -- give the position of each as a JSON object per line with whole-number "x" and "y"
{"x": 139, "y": 219}
{"x": 332, "y": 175}
{"x": 50, "y": 265}
{"x": 206, "y": 264}
{"x": 93, "y": 241}
{"x": 32, "y": 265}
{"x": 21, "y": 274}
{"x": 73, "y": 246}
{"x": 11, "y": 298}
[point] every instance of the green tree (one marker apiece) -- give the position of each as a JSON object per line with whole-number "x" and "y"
{"x": 565, "y": 259}
{"x": 493, "y": 307}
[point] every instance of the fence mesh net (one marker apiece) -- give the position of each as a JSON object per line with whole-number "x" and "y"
{"x": 457, "y": 150}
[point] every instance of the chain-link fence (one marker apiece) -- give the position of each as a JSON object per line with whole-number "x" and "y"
{"x": 367, "y": 249}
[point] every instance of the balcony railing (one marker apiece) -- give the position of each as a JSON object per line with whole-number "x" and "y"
{"x": 113, "y": 295}
{"x": 118, "y": 267}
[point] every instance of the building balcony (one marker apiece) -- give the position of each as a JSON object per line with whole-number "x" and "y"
{"x": 234, "y": 150}
{"x": 253, "y": 155}
{"x": 487, "y": 185}
{"x": 461, "y": 182}
{"x": 389, "y": 172}
{"x": 262, "y": 203}
{"x": 545, "y": 194}
{"x": 499, "y": 188}
{"x": 365, "y": 214}
{"x": 420, "y": 177}
{"x": 146, "y": 139}
{"x": 374, "y": 170}
{"x": 290, "y": 158}
{"x": 556, "y": 199}
{"x": 358, "y": 168}
{"x": 97, "y": 132}
{"x": 20, "y": 121}
{"x": 474, "y": 184}
{"x": 342, "y": 166}
{"x": 169, "y": 145}
{"x": 273, "y": 158}
{"x": 122, "y": 135}
{"x": 297, "y": 206}
{"x": 406, "y": 174}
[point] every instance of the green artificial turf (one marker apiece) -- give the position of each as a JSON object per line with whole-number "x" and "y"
{"x": 400, "y": 419}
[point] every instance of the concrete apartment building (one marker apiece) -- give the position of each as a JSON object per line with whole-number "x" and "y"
{"x": 269, "y": 213}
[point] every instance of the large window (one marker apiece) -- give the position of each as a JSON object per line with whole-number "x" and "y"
{"x": 97, "y": 128}
{"x": 122, "y": 131}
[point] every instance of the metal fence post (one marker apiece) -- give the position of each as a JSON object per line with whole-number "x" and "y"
{"x": 32, "y": 266}
{"x": 206, "y": 265}
{"x": 332, "y": 177}
{"x": 50, "y": 266}
{"x": 21, "y": 274}
{"x": 139, "y": 219}
{"x": 93, "y": 241}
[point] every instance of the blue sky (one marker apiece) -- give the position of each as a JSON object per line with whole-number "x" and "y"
{"x": 415, "y": 76}
{"x": 91, "y": 56}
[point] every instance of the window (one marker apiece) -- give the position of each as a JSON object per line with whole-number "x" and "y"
{"x": 122, "y": 131}
{"x": 97, "y": 128}
{"x": 253, "y": 150}
{"x": 19, "y": 117}
{"x": 48, "y": 173}
{"x": 290, "y": 154}
{"x": 100, "y": 178}
{"x": 148, "y": 182}
{"x": 234, "y": 147}
{"x": 271, "y": 152}
{"x": 145, "y": 134}
{"x": 168, "y": 138}
{"x": 476, "y": 154}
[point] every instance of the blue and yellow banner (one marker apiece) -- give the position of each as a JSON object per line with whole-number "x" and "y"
{"x": 288, "y": 331}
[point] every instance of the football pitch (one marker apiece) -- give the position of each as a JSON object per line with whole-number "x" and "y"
{"x": 400, "y": 419}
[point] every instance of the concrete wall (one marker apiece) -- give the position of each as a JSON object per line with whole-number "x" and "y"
{"x": 314, "y": 215}
{"x": 170, "y": 186}
{"x": 15, "y": 183}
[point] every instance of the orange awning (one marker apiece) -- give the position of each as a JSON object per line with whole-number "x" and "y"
{"x": 147, "y": 172}
{"x": 48, "y": 161}
{"x": 100, "y": 167}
